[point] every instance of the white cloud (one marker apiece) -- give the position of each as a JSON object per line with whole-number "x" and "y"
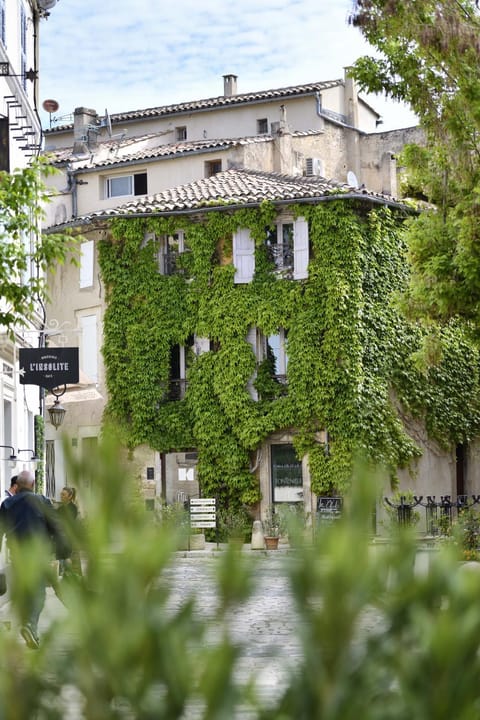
{"x": 125, "y": 56}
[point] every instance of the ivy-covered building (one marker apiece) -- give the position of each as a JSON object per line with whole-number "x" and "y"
{"x": 253, "y": 343}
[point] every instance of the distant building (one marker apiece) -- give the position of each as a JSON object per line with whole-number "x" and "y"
{"x": 295, "y": 147}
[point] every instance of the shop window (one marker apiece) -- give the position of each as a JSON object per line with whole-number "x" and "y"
{"x": 287, "y": 478}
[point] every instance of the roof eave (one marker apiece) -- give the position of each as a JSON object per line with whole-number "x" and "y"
{"x": 232, "y": 207}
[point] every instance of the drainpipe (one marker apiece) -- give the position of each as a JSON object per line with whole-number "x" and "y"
{"x": 72, "y": 185}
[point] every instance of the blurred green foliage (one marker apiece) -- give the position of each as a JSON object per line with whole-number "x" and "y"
{"x": 384, "y": 635}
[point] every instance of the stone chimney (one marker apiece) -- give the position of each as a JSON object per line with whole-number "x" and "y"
{"x": 84, "y": 120}
{"x": 351, "y": 100}
{"x": 229, "y": 85}
{"x": 282, "y": 145}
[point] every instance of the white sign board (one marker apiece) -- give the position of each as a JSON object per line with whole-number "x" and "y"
{"x": 203, "y": 513}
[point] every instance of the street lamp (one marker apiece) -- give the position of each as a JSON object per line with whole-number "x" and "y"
{"x": 13, "y": 458}
{"x": 57, "y": 411}
{"x": 33, "y": 457}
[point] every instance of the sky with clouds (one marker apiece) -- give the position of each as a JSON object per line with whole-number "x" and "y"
{"x": 124, "y": 55}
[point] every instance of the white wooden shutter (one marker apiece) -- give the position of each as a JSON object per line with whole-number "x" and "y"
{"x": 86, "y": 264}
{"x": 88, "y": 347}
{"x": 243, "y": 256}
{"x": 300, "y": 249}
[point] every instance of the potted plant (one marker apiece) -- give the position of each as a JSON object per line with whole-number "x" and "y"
{"x": 234, "y": 525}
{"x": 271, "y": 528}
{"x": 176, "y": 517}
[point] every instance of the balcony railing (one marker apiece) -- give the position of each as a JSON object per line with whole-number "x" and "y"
{"x": 281, "y": 256}
{"x": 176, "y": 389}
{"x": 170, "y": 263}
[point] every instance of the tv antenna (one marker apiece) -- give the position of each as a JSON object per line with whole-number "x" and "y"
{"x": 108, "y": 123}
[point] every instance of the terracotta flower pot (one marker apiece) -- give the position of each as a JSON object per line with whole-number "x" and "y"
{"x": 271, "y": 543}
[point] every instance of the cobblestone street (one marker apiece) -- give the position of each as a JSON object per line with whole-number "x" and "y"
{"x": 266, "y": 628}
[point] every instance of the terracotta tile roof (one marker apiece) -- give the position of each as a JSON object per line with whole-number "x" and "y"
{"x": 236, "y": 188}
{"x": 146, "y": 147}
{"x": 216, "y": 102}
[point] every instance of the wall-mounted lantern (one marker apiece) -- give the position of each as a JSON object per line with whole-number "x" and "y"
{"x": 57, "y": 411}
{"x": 12, "y": 459}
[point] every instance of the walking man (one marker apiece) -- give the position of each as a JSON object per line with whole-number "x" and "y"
{"x": 12, "y": 490}
{"x": 29, "y": 524}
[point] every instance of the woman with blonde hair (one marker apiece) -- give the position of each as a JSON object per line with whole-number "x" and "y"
{"x": 68, "y": 515}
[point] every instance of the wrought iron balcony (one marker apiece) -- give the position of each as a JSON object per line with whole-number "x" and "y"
{"x": 176, "y": 389}
{"x": 281, "y": 256}
{"x": 169, "y": 263}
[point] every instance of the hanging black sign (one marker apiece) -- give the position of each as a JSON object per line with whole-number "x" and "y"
{"x": 48, "y": 367}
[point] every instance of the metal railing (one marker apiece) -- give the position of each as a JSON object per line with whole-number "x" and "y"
{"x": 281, "y": 256}
{"x": 439, "y": 515}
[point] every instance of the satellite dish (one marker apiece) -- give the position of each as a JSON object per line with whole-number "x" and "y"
{"x": 47, "y": 4}
{"x": 50, "y": 106}
{"x": 60, "y": 214}
{"x": 352, "y": 179}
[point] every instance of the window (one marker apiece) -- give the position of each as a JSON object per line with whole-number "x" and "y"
{"x": 212, "y": 167}
{"x": 178, "y": 369}
{"x": 262, "y": 126}
{"x": 86, "y": 264}
{"x": 276, "y": 354}
{"x": 280, "y": 245}
{"x": 287, "y": 246}
{"x": 171, "y": 247}
{"x": 180, "y": 133}
{"x": 124, "y": 185}
{"x": 2, "y": 21}
{"x": 287, "y": 479}
{"x": 269, "y": 381}
{"x": 50, "y": 468}
{"x": 23, "y": 45}
{"x": 4, "y": 145}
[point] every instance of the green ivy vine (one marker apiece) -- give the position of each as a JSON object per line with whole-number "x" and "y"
{"x": 353, "y": 358}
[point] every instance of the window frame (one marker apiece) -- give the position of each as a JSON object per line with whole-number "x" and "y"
{"x": 210, "y": 167}
{"x": 3, "y": 22}
{"x": 282, "y": 355}
{"x": 23, "y": 44}
{"x": 180, "y": 133}
{"x": 167, "y": 257}
{"x": 262, "y": 126}
{"x": 290, "y": 258}
{"x": 110, "y": 180}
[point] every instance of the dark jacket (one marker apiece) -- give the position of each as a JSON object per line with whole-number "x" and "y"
{"x": 27, "y": 515}
{"x": 67, "y": 515}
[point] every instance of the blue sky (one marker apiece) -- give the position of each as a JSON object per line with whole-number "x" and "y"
{"x": 123, "y": 55}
